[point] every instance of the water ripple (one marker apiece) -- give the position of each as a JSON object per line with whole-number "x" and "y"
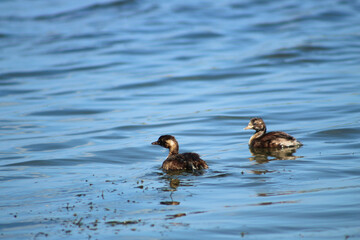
{"x": 198, "y": 35}
{"x": 54, "y": 146}
{"x": 85, "y": 10}
{"x": 67, "y": 112}
{"x": 48, "y": 162}
{"x": 44, "y": 73}
{"x": 339, "y": 133}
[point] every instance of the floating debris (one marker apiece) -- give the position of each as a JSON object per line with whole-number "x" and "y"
{"x": 175, "y": 215}
{"x": 114, "y": 223}
{"x": 170, "y": 203}
{"x": 78, "y": 223}
{"x": 41, "y": 233}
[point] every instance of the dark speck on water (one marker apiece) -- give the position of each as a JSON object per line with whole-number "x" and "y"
{"x": 86, "y": 86}
{"x": 114, "y": 223}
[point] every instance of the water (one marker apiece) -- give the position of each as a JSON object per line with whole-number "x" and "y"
{"x": 86, "y": 86}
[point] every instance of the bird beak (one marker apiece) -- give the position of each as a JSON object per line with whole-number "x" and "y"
{"x": 155, "y": 143}
{"x": 248, "y": 127}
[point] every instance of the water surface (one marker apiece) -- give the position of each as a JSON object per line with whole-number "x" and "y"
{"x": 86, "y": 86}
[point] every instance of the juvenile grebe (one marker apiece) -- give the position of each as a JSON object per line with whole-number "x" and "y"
{"x": 261, "y": 139}
{"x": 176, "y": 160}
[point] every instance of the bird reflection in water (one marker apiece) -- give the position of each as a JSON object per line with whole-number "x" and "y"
{"x": 176, "y": 178}
{"x": 264, "y": 155}
{"x": 174, "y": 183}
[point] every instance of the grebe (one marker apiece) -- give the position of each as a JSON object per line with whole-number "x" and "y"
{"x": 176, "y": 160}
{"x": 261, "y": 139}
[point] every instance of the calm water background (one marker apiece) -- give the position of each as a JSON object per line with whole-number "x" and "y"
{"x": 86, "y": 86}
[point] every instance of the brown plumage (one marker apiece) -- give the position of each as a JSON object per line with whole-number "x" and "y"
{"x": 176, "y": 160}
{"x": 261, "y": 139}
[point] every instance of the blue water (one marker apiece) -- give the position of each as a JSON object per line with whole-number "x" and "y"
{"x": 86, "y": 86}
